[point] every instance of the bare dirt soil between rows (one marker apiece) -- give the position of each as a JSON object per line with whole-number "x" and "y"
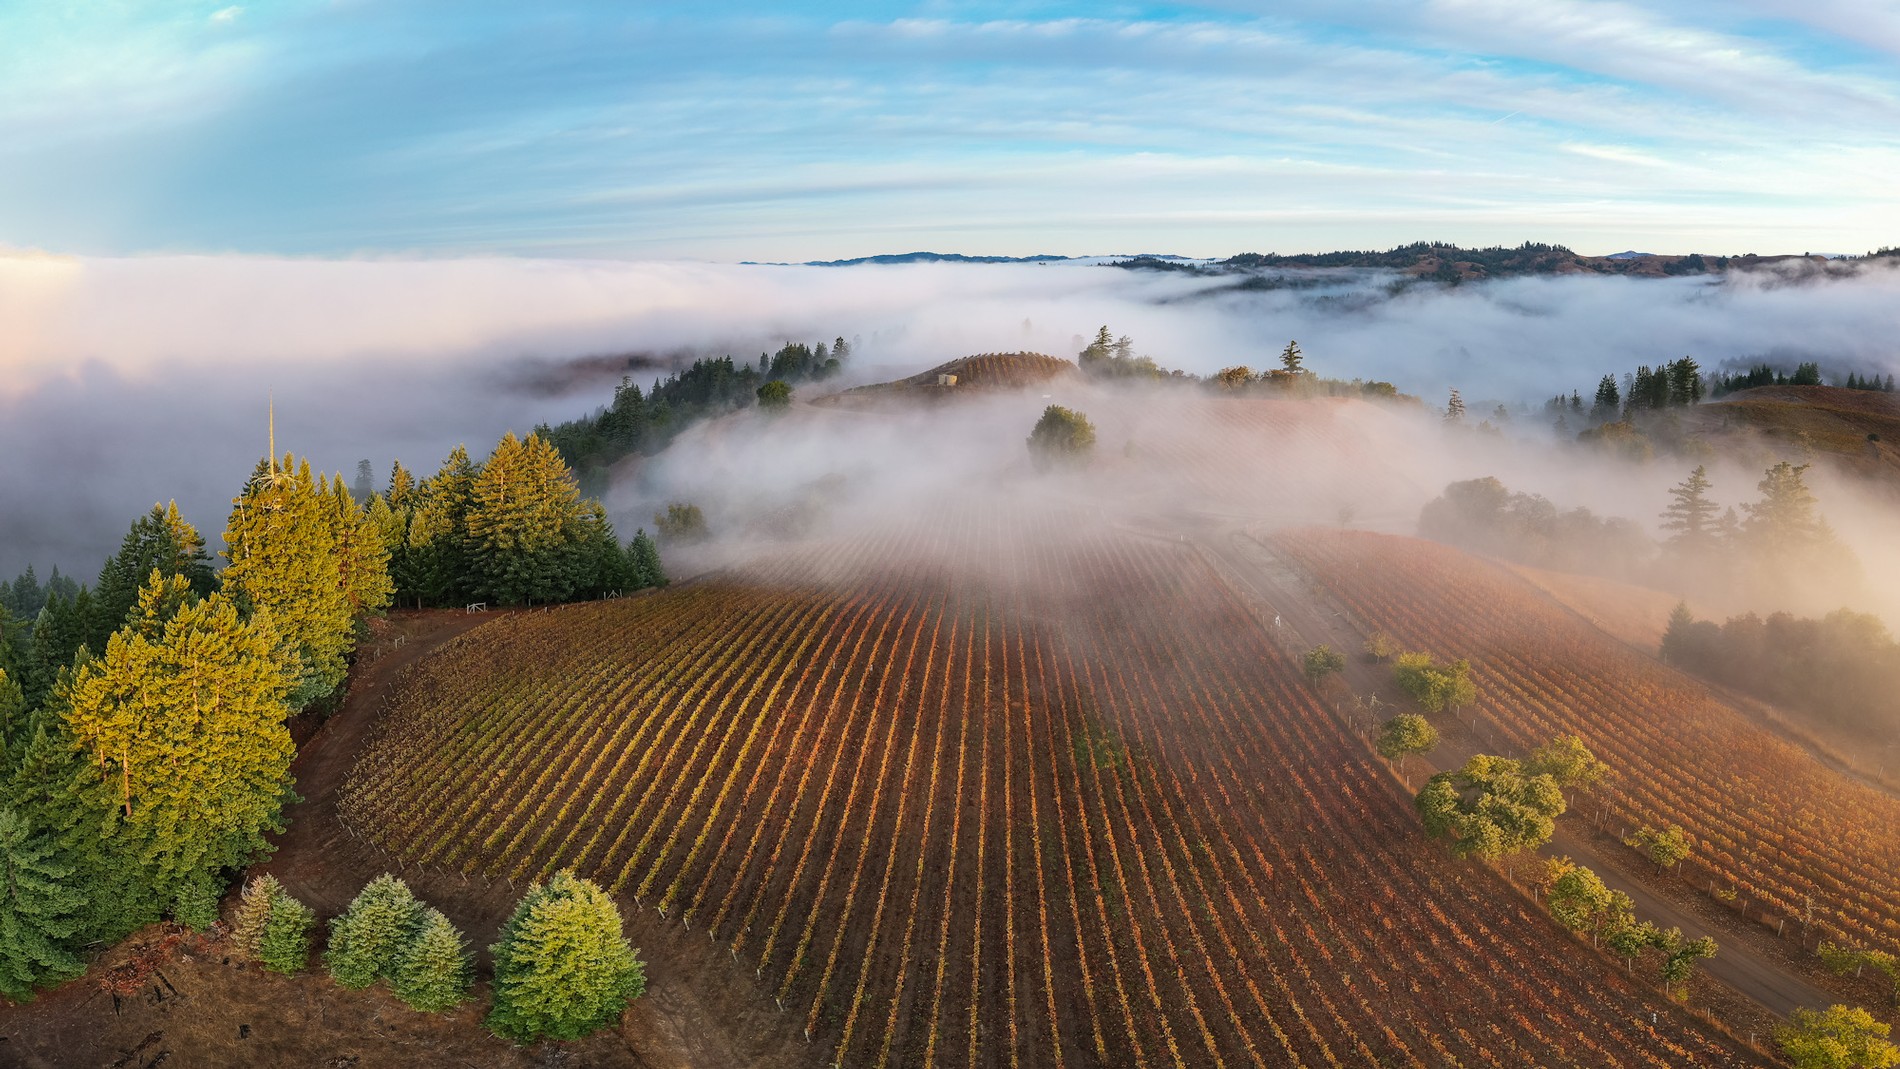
{"x": 1771, "y": 975}
{"x": 199, "y": 1008}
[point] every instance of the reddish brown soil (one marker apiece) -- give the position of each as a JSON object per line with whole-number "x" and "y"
{"x": 201, "y": 1009}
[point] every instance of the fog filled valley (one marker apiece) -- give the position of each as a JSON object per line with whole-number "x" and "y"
{"x": 1063, "y": 663}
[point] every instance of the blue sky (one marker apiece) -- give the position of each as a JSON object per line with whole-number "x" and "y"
{"x": 730, "y": 131}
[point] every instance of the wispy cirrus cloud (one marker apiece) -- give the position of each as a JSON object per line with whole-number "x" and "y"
{"x": 792, "y": 132}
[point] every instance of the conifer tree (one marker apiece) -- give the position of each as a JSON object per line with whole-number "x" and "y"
{"x": 59, "y": 790}
{"x": 644, "y": 557}
{"x": 1783, "y": 526}
{"x": 14, "y": 728}
{"x": 401, "y": 494}
{"x": 285, "y": 946}
{"x": 12, "y": 644}
{"x": 391, "y": 528}
{"x": 433, "y": 970}
{"x": 524, "y": 524}
{"x": 195, "y": 905}
{"x": 1691, "y": 517}
{"x": 365, "y": 483}
{"x": 436, "y": 562}
{"x": 284, "y": 563}
{"x": 562, "y": 967}
{"x": 253, "y": 915}
{"x": 38, "y": 911}
{"x": 182, "y": 721}
{"x": 1455, "y": 409}
{"x": 366, "y": 939}
{"x": 361, "y": 554}
{"x": 1290, "y": 359}
{"x": 58, "y": 634}
{"x": 160, "y": 540}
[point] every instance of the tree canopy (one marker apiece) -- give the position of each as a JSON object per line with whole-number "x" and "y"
{"x": 1491, "y": 807}
{"x": 562, "y": 967}
{"x": 1062, "y": 437}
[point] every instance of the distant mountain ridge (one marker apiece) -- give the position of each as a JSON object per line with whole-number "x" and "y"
{"x": 1433, "y": 260}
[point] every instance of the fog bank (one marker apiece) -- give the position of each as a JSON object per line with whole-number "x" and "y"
{"x": 130, "y": 381}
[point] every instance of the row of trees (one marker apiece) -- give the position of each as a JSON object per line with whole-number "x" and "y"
{"x": 1579, "y": 900}
{"x": 1675, "y": 384}
{"x": 562, "y": 967}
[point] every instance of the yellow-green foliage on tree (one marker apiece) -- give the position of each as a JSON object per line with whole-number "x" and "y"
{"x": 285, "y": 947}
{"x": 182, "y": 722}
{"x": 282, "y": 545}
{"x": 1491, "y": 807}
{"x": 1839, "y": 1037}
{"x": 524, "y": 523}
{"x": 366, "y": 939}
{"x": 562, "y": 968}
{"x": 1568, "y": 761}
{"x": 1061, "y": 436}
{"x": 1665, "y": 849}
{"x": 362, "y": 556}
{"x": 1404, "y": 735}
{"x": 1434, "y": 686}
{"x": 1581, "y": 902}
{"x": 433, "y": 970}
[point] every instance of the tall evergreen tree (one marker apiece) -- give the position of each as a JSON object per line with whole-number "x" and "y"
{"x": 1784, "y": 527}
{"x": 285, "y": 564}
{"x": 1684, "y": 381}
{"x": 365, "y": 482}
{"x": 401, "y": 494}
{"x": 58, "y": 634}
{"x": 1455, "y": 409}
{"x": 644, "y": 558}
{"x": 13, "y": 644}
{"x": 562, "y": 967}
{"x": 159, "y": 540}
{"x": 182, "y": 721}
{"x": 1608, "y": 401}
{"x": 1691, "y": 517}
{"x": 524, "y": 529}
{"x": 59, "y": 790}
{"x": 39, "y": 911}
{"x": 361, "y": 554}
{"x": 437, "y": 561}
{"x": 15, "y": 727}
{"x": 1291, "y": 358}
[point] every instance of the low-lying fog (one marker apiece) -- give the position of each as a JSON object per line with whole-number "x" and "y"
{"x": 133, "y": 381}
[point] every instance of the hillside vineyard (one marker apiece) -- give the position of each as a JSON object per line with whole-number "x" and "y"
{"x": 1770, "y": 822}
{"x": 1078, "y": 811}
